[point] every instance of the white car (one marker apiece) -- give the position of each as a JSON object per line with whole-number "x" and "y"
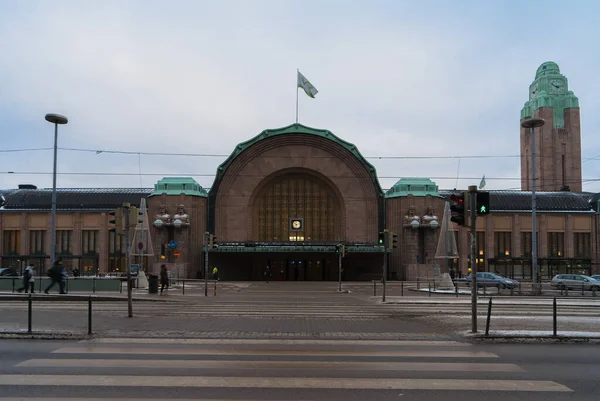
{"x": 575, "y": 282}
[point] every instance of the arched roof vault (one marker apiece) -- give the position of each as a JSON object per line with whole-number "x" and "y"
{"x": 293, "y": 129}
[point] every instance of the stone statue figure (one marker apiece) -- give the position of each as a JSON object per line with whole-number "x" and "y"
{"x": 163, "y": 215}
{"x": 411, "y": 216}
{"x": 182, "y": 216}
{"x": 429, "y": 216}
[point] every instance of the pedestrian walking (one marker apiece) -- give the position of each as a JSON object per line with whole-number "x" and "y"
{"x": 164, "y": 278}
{"x": 215, "y": 273}
{"x": 452, "y": 274}
{"x": 58, "y": 275}
{"x": 267, "y": 274}
{"x": 28, "y": 279}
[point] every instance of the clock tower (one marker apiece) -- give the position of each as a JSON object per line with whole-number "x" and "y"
{"x": 558, "y": 142}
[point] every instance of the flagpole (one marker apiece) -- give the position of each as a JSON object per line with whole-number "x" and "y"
{"x": 297, "y": 72}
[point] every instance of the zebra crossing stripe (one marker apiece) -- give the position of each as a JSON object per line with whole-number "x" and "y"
{"x": 274, "y": 352}
{"x": 282, "y": 382}
{"x": 224, "y": 341}
{"x": 275, "y": 365}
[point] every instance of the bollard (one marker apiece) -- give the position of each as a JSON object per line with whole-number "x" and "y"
{"x": 29, "y": 313}
{"x": 418, "y": 284}
{"x": 67, "y": 286}
{"x": 554, "y": 316}
{"x": 566, "y": 291}
{"x": 582, "y": 290}
{"x": 183, "y": 287}
{"x": 89, "y": 314}
{"x": 489, "y": 315}
{"x": 429, "y": 289}
{"x": 594, "y": 291}
{"x": 94, "y": 285}
{"x": 512, "y": 290}
{"x": 433, "y": 284}
{"x": 120, "y": 287}
{"x": 402, "y": 288}
{"x": 215, "y": 290}
{"x": 456, "y": 289}
{"x": 374, "y": 288}
{"x": 13, "y": 284}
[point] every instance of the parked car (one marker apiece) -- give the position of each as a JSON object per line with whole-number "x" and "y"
{"x": 8, "y": 272}
{"x": 596, "y": 277}
{"x": 485, "y": 279}
{"x": 575, "y": 282}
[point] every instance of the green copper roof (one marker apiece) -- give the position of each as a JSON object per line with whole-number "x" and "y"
{"x": 178, "y": 185}
{"x": 413, "y": 186}
{"x": 550, "y": 89}
{"x": 293, "y": 129}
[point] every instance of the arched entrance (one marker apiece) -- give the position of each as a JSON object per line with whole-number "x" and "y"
{"x": 296, "y": 207}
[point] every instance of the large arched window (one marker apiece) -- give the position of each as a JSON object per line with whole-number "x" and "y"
{"x": 301, "y": 197}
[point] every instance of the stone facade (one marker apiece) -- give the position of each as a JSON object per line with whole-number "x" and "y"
{"x": 256, "y": 167}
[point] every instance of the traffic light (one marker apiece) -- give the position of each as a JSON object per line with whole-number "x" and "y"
{"x": 458, "y": 208}
{"x": 381, "y": 238}
{"x": 483, "y": 202}
{"x": 115, "y": 222}
{"x": 211, "y": 241}
{"x": 135, "y": 216}
{"x": 390, "y": 241}
{"x": 341, "y": 248}
{"x": 393, "y": 240}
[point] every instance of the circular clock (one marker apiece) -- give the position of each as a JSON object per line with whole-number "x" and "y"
{"x": 296, "y": 224}
{"x": 556, "y": 86}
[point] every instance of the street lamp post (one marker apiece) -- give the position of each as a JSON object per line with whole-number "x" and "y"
{"x": 533, "y": 123}
{"x": 54, "y": 119}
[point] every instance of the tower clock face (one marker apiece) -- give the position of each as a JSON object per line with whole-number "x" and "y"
{"x": 533, "y": 91}
{"x": 557, "y": 86}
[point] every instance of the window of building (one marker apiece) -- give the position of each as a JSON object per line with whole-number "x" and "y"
{"x": 12, "y": 242}
{"x": 301, "y": 197}
{"x": 526, "y": 245}
{"x": 64, "y": 241}
{"x": 90, "y": 243}
{"x": 502, "y": 244}
{"x": 37, "y": 242}
{"x": 556, "y": 245}
{"x": 582, "y": 244}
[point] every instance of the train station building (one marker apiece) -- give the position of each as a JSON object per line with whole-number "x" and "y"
{"x": 288, "y": 197}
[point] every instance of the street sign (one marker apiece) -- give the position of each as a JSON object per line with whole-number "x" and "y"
{"x": 140, "y": 245}
{"x": 172, "y": 244}
{"x": 176, "y": 254}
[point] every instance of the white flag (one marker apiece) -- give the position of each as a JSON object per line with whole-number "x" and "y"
{"x": 482, "y": 183}
{"x": 307, "y": 86}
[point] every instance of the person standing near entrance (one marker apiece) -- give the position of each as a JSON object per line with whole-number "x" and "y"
{"x": 215, "y": 273}
{"x": 267, "y": 274}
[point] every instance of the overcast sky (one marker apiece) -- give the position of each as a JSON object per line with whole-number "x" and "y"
{"x": 396, "y": 78}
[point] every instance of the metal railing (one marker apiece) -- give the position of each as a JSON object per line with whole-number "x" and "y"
{"x": 29, "y": 298}
{"x": 431, "y": 287}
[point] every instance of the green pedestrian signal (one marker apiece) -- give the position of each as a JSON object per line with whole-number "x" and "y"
{"x": 483, "y": 203}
